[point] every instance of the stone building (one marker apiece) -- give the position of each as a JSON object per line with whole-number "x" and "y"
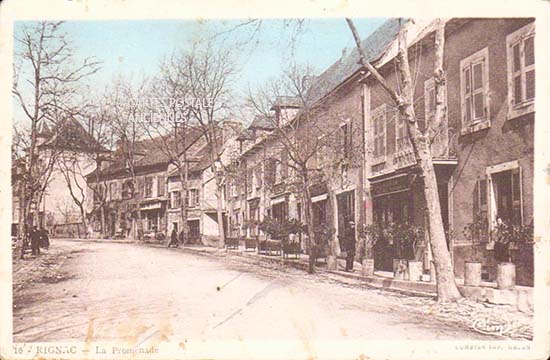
{"x": 483, "y": 153}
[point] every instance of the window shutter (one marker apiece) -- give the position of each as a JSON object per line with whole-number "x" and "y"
{"x": 270, "y": 172}
{"x": 517, "y": 196}
{"x": 284, "y": 165}
{"x": 161, "y": 183}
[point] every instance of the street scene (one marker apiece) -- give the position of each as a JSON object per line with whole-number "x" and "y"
{"x": 261, "y": 179}
{"x": 175, "y": 294}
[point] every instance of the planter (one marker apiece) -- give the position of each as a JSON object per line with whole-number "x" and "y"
{"x": 400, "y": 269}
{"x": 472, "y": 273}
{"x": 506, "y": 275}
{"x": 415, "y": 270}
{"x": 332, "y": 264}
{"x": 368, "y": 267}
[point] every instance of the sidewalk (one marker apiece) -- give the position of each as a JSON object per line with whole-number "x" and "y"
{"x": 521, "y": 297}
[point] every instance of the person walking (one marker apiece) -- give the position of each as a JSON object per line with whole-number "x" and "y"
{"x": 173, "y": 238}
{"x": 35, "y": 241}
{"x": 350, "y": 247}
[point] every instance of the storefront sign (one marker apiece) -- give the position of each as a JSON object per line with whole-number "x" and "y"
{"x": 152, "y": 206}
{"x": 392, "y": 185}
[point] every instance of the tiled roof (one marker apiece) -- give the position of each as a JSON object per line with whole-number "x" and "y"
{"x": 69, "y": 134}
{"x": 374, "y": 46}
{"x": 262, "y": 122}
{"x": 150, "y": 153}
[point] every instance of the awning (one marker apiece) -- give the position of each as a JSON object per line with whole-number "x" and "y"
{"x": 319, "y": 198}
{"x": 278, "y": 200}
{"x": 151, "y": 206}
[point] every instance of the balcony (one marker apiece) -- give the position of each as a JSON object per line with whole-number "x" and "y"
{"x": 404, "y": 154}
{"x": 278, "y": 188}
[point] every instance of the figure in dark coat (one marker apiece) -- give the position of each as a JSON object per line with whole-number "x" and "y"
{"x": 35, "y": 241}
{"x": 350, "y": 247}
{"x": 173, "y": 238}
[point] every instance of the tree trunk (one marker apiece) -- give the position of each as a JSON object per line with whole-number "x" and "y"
{"x": 446, "y": 285}
{"x": 183, "y": 175}
{"x": 219, "y": 213}
{"x": 308, "y": 213}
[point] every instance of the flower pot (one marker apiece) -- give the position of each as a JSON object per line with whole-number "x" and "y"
{"x": 415, "y": 270}
{"x": 400, "y": 269}
{"x": 332, "y": 264}
{"x": 368, "y": 267}
{"x": 506, "y": 275}
{"x": 472, "y": 273}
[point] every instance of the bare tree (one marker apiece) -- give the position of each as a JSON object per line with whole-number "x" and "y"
{"x": 421, "y": 140}
{"x": 208, "y": 70}
{"x": 124, "y": 104}
{"x": 173, "y": 133}
{"x": 310, "y": 135}
{"x": 45, "y": 84}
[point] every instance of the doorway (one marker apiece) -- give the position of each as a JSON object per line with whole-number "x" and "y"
{"x": 345, "y": 203}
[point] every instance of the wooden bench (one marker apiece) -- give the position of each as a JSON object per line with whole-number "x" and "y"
{"x": 232, "y": 243}
{"x": 250, "y": 244}
{"x": 270, "y": 247}
{"x": 291, "y": 248}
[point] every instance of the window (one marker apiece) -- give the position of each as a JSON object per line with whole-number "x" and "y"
{"x": 474, "y": 86}
{"x": 112, "y": 191}
{"x": 161, "y": 184}
{"x": 479, "y": 213}
{"x": 505, "y": 193}
{"x": 278, "y": 170}
{"x": 249, "y": 180}
{"x": 258, "y": 176}
{"x": 148, "y": 187}
{"x": 270, "y": 171}
{"x": 280, "y": 211}
{"x": 175, "y": 199}
{"x": 127, "y": 189}
{"x": 193, "y": 197}
{"x": 379, "y": 132}
{"x": 346, "y": 139}
{"x": 521, "y": 70}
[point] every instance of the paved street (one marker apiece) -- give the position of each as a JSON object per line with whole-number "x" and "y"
{"x": 132, "y": 292}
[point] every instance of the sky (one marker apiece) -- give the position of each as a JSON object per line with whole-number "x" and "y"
{"x": 134, "y": 48}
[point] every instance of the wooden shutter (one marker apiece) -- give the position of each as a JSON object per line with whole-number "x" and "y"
{"x": 284, "y": 164}
{"x": 160, "y": 185}
{"x": 270, "y": 171}
{"x": 517, "y": 196}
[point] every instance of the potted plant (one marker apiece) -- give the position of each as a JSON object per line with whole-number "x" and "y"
{"x": 321, "y": 245}
{"x": 509, "y": 238}
{"x": 391, "y": 233}
{"x": 473, "y": 232}
{"x": 413, "y": 237}
{"x": 370, "y": 234}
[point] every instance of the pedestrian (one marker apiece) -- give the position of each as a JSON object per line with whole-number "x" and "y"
{"x": 350, "y": 247}
{"x": 173, "y": 238}
{"x": 44, "y": 239}
{"x": 35, "y": 241}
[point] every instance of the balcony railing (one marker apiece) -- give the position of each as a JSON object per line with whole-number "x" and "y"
{"x": 404, "y": 154}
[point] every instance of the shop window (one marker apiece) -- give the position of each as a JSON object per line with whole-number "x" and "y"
{"x": 280, "y": 211}
{"x": 474, "y": 87}
{"x": 194, "y": 228}
{"x": 521, "y": 70}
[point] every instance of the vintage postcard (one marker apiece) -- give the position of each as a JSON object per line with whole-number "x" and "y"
{"x": 249, "y": 180}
